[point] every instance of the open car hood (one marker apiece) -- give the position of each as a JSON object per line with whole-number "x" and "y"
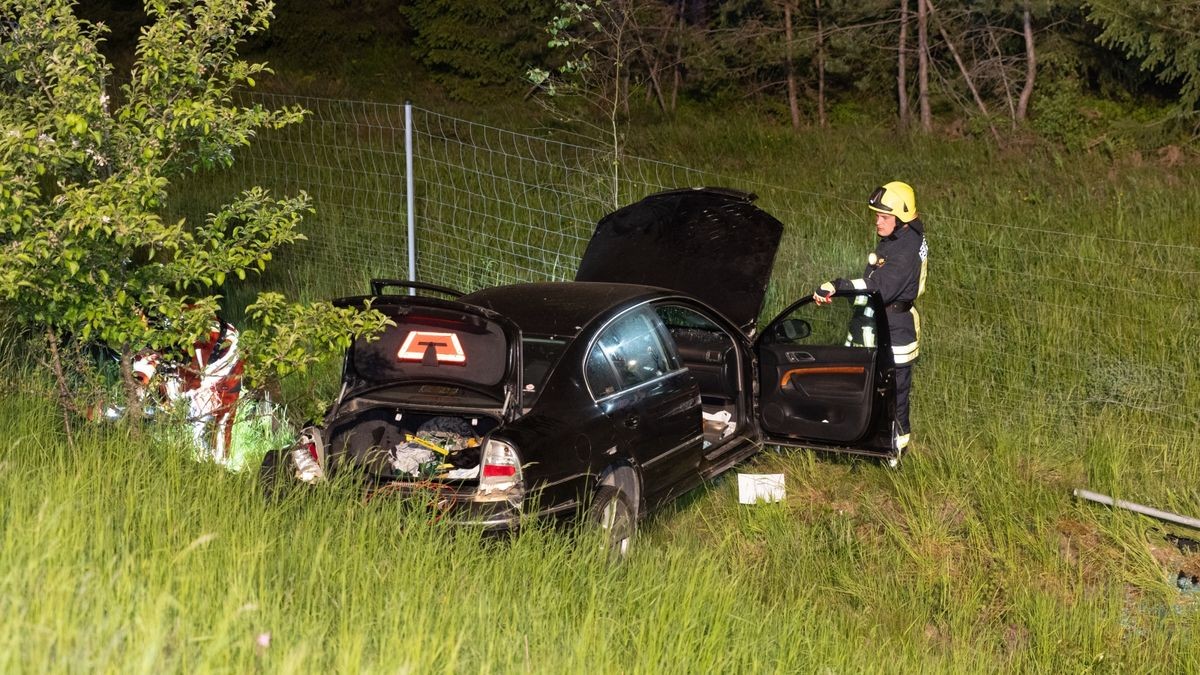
{"x": 712, "y": 243}
{"x": 439, "y": 350}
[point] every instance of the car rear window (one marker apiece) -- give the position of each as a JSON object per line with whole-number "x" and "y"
{"x": 539, "y": 355}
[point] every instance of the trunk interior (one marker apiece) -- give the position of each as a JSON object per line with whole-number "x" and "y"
{"x": 393, "y": 444}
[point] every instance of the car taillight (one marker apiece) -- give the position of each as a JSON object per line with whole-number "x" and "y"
{"x": 500, "y": 468}
{"x": 494, "y": 471}
{"x": 306, "y": 455}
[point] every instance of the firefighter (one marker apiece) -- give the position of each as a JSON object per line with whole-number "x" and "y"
{"x": 896, "y": 269}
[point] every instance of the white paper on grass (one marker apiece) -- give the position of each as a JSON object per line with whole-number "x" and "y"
{"x": 760, "y": 487}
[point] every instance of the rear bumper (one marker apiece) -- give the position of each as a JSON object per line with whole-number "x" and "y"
{"x": 461, "y": 506}
{"x": 492, "y": 516}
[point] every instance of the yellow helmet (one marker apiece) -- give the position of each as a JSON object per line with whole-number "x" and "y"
{"x": 895, "y": 198}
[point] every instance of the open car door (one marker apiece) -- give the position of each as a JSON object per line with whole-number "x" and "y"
{"x": 826, "y": 376}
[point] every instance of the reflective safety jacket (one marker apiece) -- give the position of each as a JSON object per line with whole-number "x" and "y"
{"x": 897, "y": 270}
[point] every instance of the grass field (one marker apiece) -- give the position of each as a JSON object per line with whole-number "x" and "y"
{"x": 1058, "y": 352}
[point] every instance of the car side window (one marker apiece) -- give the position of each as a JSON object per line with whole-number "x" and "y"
{"x": 847, "y": 321}
{"x": 599, "y": 372}
{"x": 636, "y": 349}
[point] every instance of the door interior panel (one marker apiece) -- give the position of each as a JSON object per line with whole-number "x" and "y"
{"x": 710, "y": 357}
{"x": 816, "y": 391}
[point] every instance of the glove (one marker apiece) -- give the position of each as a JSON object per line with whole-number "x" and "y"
{"x": 824, "y": 294}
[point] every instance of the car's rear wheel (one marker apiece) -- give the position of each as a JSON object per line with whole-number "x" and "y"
{"x": 616, "y": 518}
{"x": 277, "y": 475}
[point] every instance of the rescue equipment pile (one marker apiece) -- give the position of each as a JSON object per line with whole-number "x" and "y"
{"x": 202, "y": 387}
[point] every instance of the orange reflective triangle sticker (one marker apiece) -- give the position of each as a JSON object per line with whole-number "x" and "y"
{"x": 446, "y": 347}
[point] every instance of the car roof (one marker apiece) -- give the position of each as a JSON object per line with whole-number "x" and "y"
{"x": 560, "y": 308}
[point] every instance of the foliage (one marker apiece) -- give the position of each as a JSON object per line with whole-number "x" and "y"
{"x": 1080, "y": 122}
{"x": 754, "y": 50}
{"x": 1162, "y": 36}
{"x": 601, "y": 46}
{"x": 284, "y": 339}
{"x": 84, "y": 179}
{"x": 1048, "y": 285}
{"x": 731, "y": 55}
{"x": 477, "y": 47}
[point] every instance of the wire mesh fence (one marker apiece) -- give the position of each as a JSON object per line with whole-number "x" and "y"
{"x": 1023, "y": 321}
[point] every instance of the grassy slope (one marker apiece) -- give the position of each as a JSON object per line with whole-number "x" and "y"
{"x": 123, "y": 556}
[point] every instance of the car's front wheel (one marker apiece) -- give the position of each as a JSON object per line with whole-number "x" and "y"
{"x": 616, "y": 518}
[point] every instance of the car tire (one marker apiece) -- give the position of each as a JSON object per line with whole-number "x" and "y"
{"x": 277, "y": 476}
{"x": 616, "y": 518}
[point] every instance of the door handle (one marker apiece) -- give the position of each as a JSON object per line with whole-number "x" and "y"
{"x": 798, "y": 357}
{"x": 633, "y": 421}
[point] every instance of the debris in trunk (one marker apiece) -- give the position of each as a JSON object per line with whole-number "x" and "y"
{"x": 446, "y": 446}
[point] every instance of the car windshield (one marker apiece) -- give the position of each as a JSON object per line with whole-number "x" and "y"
{"x": 539, "y": 354}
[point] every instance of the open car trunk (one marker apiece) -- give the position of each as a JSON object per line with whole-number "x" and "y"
{"x": 390, "y": 444}
{"x": 439, "y": 353}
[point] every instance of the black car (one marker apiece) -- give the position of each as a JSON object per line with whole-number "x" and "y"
{"x": 611, "y": 394}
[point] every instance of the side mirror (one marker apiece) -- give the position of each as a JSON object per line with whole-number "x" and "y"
{"x": 792, "y": 330}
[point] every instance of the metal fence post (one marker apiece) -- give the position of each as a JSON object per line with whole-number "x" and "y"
{"x": 409, "y": 197}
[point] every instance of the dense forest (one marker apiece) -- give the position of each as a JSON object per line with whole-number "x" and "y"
{"x": 1094, "y": 75}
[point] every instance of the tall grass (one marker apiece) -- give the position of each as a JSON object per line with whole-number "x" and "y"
{"x": 125, "y": 556}
{"x": 1050, "y": 361}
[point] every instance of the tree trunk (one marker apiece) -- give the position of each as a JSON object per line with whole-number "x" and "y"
{"x": 923, "y": 66}
{"x": 656, "y": 87}
{"x": 653, "y": 65}
{"x": 789, "y": 37}
{"x": 962, "y": 68}
{"x": 821, "y": 119}
{"x": 676, "y": 80}
{"x": 1008, "y": 97}
{"x": 64, "y": 391}
{"x": 902, "y": 68}
{"x": 133, "y": 402}
{"x": 677, "y": 74}
{"x": 1030, "y": 68}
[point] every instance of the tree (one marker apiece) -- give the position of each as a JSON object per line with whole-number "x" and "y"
{"x": 606, "y": 52}
{"x": 85, "y": 249}
{"x": 966, "y": 73}
{"x": 806, "y": 52}
{"x": 1030, "y": 64}
{"x": 926, "y": 114}
{"x": 789, "y": 47}
{"x": 475, "y": 46}
{"x": 902, "y": 69}
{"x": 991, "y": 46}
{"x": 1161, "y": 35}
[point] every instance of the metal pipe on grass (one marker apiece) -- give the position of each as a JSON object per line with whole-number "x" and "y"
{"x": 1138, "y": 508}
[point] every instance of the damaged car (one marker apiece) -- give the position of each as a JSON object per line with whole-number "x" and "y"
{"x": 610, "y": 395}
